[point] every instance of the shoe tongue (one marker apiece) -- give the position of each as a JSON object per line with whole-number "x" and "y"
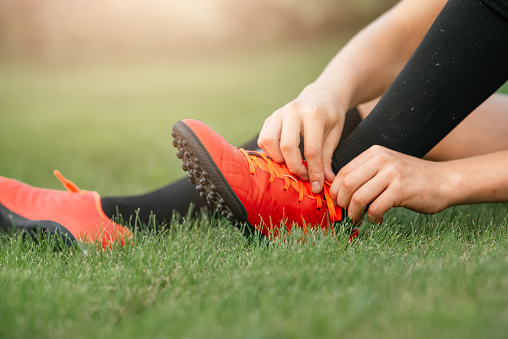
{"x": 283, "y": 170}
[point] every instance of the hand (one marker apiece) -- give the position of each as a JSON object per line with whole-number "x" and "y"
{"x": 318, "y": 116}
{"x": 384, "y": 179}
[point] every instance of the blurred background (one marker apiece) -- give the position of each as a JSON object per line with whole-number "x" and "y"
{"x": 93, "y": 87}
{"x": 59, "y": 30}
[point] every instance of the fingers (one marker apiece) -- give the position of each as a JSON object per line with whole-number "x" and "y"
{"x": 366, "y": 194}
{"x": 381, "y": 205}
{"x": 352, "y": 183}
{"x": 380, "y": 179}
{"x": 365, "y": 180}
{"x": 269, "y": 138}
{"x": 280, "y": 138}
{"x": 344, "y": 172}
{"x": 316, "y": 115}
{"x": 290, "y": 140}
{"x": 313, "y": 150}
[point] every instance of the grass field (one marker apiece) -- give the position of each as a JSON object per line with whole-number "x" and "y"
{"x": 107, "y": 127}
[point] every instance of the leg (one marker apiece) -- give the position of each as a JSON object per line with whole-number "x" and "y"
{"x": 482, "y": 132}
{"x": 458, "y": 65}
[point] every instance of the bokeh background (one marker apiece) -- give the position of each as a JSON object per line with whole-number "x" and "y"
{"x": 59, "y": 30}
{"x": 93, "y": 87}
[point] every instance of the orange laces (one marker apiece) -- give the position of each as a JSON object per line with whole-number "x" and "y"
{"x": 253, "y": 158}
{"x": 69, "y": 185}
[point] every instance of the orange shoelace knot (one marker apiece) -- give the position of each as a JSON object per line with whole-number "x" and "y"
{"x": 302, "y": 187}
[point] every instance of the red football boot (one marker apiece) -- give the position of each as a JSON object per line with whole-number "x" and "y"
{"x": 77, "y": 211}
{"x": 248, "y": 187}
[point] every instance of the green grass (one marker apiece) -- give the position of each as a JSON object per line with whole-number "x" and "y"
{"x": 107, "y": 127}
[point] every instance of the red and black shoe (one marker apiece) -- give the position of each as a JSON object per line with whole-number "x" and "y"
{"x": 249, "y": 188}
{"x": 10, "y": 221}
{"x": 75, "y": 214}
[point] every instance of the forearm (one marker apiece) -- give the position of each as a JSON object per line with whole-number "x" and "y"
{"x": 367, "y": 65}
{"x": 480, "y": 179}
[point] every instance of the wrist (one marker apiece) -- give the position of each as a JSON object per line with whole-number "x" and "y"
{"x": 336, "y": 97}
{"x": 466, "y": 184}
{"x": 453, "y": 185}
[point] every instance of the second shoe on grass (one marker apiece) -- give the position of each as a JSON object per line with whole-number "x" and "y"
{"x": 75, "y": 214}
{"x": 248, "y": 188}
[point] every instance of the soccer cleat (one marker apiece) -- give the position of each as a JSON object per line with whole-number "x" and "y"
{"x": 249, "y": 188}
{"x": 74, "y": 211}
{"x": 11, "y": 221}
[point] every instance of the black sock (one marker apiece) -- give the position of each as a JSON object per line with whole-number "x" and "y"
{"x": 178, "y": 195}
{"x": 462, "y": 60}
